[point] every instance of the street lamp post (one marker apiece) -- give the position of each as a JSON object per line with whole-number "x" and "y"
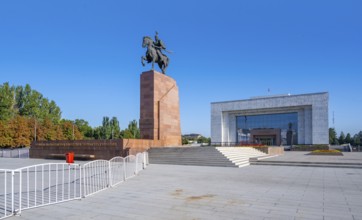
{"x": 34, "y": 129}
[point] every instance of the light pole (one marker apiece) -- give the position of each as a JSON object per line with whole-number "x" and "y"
{"x": 34, "y": 129}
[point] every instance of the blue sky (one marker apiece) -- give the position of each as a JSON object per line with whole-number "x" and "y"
{"x": 85, "y": 54}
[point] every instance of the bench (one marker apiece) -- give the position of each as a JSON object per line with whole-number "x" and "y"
{"x": 76, "y": 156}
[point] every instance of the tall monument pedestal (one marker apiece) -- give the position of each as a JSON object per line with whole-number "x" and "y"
{"x": 160, "y": 110}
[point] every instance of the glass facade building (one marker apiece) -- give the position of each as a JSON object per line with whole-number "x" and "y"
{"x": 269, "y": 129}
{"x": 266, "y": 119}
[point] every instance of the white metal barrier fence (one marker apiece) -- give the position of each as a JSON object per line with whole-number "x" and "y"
{"x": 38, "y": 185}
{"x": 130, "y": 166}
{"x": 96, "y": 175}
{"x": 147, "y": 161}
{"x": 6, "y": 193}
{"x": 46, "y": 184}
{"x": 139, "y": 162}
{"x": 118, "y": 170}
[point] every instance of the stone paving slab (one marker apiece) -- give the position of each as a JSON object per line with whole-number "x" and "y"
{"x": 15, "y": 163}
{"x": 193, "y": 192}
{"x": 297, "y": 156}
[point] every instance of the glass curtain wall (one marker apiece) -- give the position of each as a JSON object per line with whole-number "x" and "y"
{"x": 286, "y": 122}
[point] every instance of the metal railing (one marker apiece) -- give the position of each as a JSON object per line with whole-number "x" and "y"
{"x": 15, "y": 153}
{"x": 52, "y": 183}
{"x": 146, "y": 159}
{"x": 96, "y": 177}
{"x": 130, "y": 166}
{"x": 38, "y": 185}
{"x": 139, "y": 162}
{"x": 235, "y": 144}
{"x": 6, "y": 193}
{"x": 46, "y": 184}
{"x": 118, "y": 170}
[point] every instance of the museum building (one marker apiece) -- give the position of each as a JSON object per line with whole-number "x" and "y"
{"x": 272, "y": 120}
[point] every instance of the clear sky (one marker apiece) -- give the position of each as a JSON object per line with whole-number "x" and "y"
{"x": 86, "y": 54}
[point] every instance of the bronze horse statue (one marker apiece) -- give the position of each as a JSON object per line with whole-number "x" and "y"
{"x": 152, "y": 56}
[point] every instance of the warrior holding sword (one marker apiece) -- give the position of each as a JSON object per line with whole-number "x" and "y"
{"x": 159, "y": 46}
{"x": 154, "y": 53}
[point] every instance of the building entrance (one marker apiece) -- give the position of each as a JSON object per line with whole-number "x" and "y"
{"x": 265, "y": 140}
{"x": 270, "y": 137}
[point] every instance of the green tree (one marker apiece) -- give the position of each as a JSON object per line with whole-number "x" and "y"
{"x": 109, "y": 130}
{"x": 29, "y": 103}
{"x": 32, "y": 104}
{"x": 333, "y": 136}
{"x": 115, "y": 128}
{"x": 106, "y": 129}
{"x": 202, "y": 139}
{"x": 25, "y": 116}
{"x": 70, "y": 131}
{"x": 348, "y": 139}
{"x": 341, "y": 138}
{"x": 97, "y": 133}
{"x": 84, "y": 128}
{"x": 356, "y": 140}
{"x": 132, "y": 132}
{"x": 185, "y": 141}
{"x": 7, "y": 102}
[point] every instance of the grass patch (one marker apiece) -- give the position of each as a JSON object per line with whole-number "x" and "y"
{"x": 310, "y": 147}
{"x": 326, "y": 152}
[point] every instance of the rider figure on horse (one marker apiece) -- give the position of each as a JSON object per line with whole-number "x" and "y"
{"x": 154, "y": 53}
{"x": 159, "y": 46}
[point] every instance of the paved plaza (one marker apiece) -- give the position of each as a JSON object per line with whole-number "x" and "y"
{"x": 190, "y": 192}
{"x": 302, "y": 156}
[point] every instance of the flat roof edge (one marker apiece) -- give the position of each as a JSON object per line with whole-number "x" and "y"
{"x": 272, "y": 97}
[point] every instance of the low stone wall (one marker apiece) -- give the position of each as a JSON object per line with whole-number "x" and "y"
{"x": 262, "y": 149}
{"x": 134, "y": 146}
{"x": 271, "y": 150}
{"x": 101, "y": 149}
{"x": 275, "y": 150}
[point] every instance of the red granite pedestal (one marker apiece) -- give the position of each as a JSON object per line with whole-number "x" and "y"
{"x": 160, "y": 110}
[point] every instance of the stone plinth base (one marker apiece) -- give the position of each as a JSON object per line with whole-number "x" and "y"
{"x": 160, "y": 111}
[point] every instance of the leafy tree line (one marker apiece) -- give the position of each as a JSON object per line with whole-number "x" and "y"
{"x": 354, "y": 140}
{"x": 26, "y": 115}
{"x": 110, "y": 129}
{"x": 199, "y": 140}
{"x": 24, "y": 101}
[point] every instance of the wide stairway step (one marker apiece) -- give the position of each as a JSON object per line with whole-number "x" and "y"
{"x": 195, "y": 156}
{"x": 240, "y": 156}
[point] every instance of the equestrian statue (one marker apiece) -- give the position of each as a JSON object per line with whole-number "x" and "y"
{"x": 154, "y": 53}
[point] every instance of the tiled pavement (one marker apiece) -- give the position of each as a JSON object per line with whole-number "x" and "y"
{"x": 190, "y": 192}
{"x": 301, "y": 156}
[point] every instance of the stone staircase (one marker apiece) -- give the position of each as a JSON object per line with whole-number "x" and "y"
{"x": 195, "y": 156}
{"x": 203, "y": 156}
{"x": 240, "y": 156}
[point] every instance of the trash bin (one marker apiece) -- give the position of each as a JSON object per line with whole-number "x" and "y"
{"x": 69, "y": 157}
